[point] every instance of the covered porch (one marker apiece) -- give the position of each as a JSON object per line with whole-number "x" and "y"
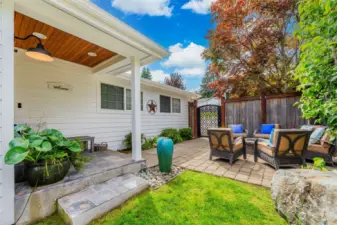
{"x": 80, "y": 38}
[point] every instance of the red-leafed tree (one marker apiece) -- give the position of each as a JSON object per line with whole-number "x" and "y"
{"x": 175, "y": 80}
{"x": 252, "y": 48}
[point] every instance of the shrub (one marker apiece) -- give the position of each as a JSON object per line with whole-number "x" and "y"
{"x": 186, "y": 133}
{"x": 147, "y": 144}
{"x": 172, "y": 134}
{"x": 128, "y": 140}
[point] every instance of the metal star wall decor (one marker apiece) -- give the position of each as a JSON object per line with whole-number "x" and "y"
{"x": 151, "y": 106}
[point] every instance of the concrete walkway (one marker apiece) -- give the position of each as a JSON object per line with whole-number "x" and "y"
{"x": 194, "y": 155}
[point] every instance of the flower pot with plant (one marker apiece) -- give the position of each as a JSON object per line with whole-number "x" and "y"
{"x": 46, "y": 154}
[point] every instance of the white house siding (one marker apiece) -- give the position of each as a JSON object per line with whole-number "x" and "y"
{"x": 78, "y": 112}
{"x": 6, "y": 110}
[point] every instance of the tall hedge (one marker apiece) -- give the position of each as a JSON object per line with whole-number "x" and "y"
{"x": 317, "y": 70}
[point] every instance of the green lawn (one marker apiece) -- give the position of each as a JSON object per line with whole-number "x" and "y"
{"x": 194, "y": 198}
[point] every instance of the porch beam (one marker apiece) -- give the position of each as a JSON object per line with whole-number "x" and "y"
{"x": 135, "y": 93}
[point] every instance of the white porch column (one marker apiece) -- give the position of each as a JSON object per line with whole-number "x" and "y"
{"x": 135, "y": 93}
{"x": 6, "y": 109}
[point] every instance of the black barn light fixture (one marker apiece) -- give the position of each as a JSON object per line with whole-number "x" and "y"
{"x": 38, "y": 53}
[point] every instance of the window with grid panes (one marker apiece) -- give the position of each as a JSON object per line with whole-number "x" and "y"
{"x": 112, "y": 97}
{"x": 165, "y": 104}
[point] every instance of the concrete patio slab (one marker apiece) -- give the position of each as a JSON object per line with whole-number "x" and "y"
{"x": 194, "y": 155}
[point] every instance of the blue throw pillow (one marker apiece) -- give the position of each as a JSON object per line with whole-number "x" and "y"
{"x": 271, "y": 137}
{"x": 267, "y": 128}
{"x": 237, "y": 128}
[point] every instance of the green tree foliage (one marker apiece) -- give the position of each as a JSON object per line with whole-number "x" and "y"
{"x": 318, "y": 64}
{"x": 175, "y": 80}
{"x": 205, "y": 91}
{"x": 146, "y": 74}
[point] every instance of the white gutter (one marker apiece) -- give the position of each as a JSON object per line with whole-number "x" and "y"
{"x": 150, "y": 83}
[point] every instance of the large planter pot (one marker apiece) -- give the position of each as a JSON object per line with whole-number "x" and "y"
{"x": 19, "y": 171}
{"x": 38, "y": 174}
{"x": 165, "y": 154}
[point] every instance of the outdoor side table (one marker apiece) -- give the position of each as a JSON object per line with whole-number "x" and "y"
{"x": 251, "y": 143}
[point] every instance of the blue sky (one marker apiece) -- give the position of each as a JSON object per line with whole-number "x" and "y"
{"x": 180, "y": 26}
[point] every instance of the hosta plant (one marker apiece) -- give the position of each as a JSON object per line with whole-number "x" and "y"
{"x": 33, "y": 147}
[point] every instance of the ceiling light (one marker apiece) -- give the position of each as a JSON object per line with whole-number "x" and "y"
{"x": 92, "y": 54}
{"x": 38, "y": 53}
{"x": 39, "y": 35}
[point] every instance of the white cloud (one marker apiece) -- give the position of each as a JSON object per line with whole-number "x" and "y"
{"x": 159, "y": 75}
{"x": 191, "y": 71}
{"x": 187, "y": 61}
{"x": 194, "y": 90}
{"x": 144, "y": 7}
{"x": 199, "y": 6}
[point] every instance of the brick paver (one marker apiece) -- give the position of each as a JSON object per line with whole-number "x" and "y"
{"x": 194, "y": 155}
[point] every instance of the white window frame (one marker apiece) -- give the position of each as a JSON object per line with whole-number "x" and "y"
{"x": 141, "y": 103}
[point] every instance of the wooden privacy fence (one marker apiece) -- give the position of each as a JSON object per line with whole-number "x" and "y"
{"x": 253, "y": 111}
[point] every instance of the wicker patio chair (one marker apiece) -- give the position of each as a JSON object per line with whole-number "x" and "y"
{"x": 222, "y": 144}
{"x": 288, "y": 148}
{"x": 243, "y": 135}
{"x": 258, "y": 134}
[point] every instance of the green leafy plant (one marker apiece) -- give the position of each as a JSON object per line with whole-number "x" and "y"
{"x": 319, "y": 164}
{"x": 128, "y": 140}
{"x": 33, "y": 147}
{"x": 317, "y": 70}
{"x": 77, "y": 159}
{"x": 186, "y": 133}
{"x": 173, "y": 134}
{"x": 147, "y": 144}
{"x": 150, "y": 143}
{"x": 154, "y": 141}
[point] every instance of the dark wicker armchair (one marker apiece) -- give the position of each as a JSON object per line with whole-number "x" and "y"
{"x": 243, "y": 135}
{"x": 288, "y": 148}
{"x": 222, "y": 144}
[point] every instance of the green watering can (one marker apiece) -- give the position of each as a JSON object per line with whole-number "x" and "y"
{"x": 165, "y": 154}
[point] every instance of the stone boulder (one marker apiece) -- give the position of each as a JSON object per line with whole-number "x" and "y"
{"x": 306, "y": 196}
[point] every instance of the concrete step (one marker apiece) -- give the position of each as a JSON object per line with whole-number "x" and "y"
{"x": 93, "y": 202}
{"x": 34, "y": 204}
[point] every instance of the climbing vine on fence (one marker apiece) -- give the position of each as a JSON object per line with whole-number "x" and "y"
{"x": 317, "y": 70}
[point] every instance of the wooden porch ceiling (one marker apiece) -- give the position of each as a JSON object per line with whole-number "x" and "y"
{"x": 60, "y": 44}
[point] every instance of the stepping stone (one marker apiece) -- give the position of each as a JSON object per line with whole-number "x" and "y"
{"x": 93, "y": 202}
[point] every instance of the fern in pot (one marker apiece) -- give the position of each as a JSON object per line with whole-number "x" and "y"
{"x": 46, "y": 154}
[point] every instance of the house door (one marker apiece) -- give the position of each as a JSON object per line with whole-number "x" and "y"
{"x": 208, "y": 117}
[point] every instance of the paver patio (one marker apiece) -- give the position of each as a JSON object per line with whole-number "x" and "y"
{"x": 194, "y": 155}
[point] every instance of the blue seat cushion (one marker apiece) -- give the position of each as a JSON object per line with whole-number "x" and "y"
{"x": 237, "y": 128}
{"x": 267, "y": 128}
